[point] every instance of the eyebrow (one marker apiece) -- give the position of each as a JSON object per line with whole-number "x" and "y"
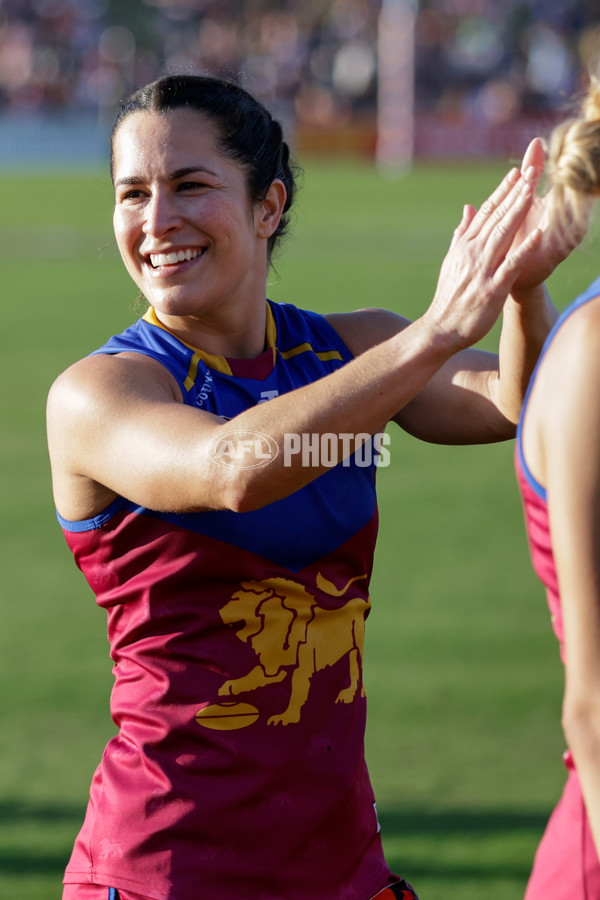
{"x": 173, "y": 176}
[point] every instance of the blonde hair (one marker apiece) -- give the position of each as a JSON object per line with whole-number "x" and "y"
{"x": 573, "y": 166}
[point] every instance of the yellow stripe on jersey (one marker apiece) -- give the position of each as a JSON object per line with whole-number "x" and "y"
{"x": 307, "y": 348}
{"x": 220, "y": 364}
{"x": 192, "y": 372}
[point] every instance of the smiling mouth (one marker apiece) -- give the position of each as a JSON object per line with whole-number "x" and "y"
{"x": 158, "y": 260}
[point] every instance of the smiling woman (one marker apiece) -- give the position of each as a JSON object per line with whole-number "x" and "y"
{"x": 191, "y": 237}
{"x": 236, "y": 583}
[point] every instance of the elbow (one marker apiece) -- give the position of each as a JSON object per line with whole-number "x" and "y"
{"x": 507, "y": 418}
{"x": 235, "y": 497}
{"x": 244, "y": 493}
{"x": 568, "y": 721}
{"x": 580, "y": 720}
{"x": 240, "y": 502}
{"x": 508, "y": 404}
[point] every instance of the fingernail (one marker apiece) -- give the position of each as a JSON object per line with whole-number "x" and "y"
{"x": 531, "y": 173}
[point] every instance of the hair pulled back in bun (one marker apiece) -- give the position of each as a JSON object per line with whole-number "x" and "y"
{"x": 573, "y": 166}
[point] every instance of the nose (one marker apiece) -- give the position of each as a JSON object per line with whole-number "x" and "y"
{"x": 160, "y": 215}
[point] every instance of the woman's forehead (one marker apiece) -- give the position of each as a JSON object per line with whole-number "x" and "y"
{"x": 164, "y": 136}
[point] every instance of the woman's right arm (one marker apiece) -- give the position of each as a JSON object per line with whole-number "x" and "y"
{"x": 117, "y": 427}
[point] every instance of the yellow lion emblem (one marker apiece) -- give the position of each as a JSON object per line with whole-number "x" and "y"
{"x": 293, "y": 636}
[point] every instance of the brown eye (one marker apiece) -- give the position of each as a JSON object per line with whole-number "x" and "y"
{"x": 127, "y": 194}
{"x": 191, "y": 185}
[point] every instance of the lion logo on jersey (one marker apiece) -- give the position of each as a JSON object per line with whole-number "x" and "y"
{"x": 293, "y": 637}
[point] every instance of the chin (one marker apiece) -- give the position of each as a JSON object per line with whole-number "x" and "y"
{"x": 175, "y": 306}
{"x": 184, "y": 310}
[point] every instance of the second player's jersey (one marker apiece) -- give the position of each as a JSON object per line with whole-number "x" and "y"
{"x": 534, "y": 494}
{"x": 237, "y": 639}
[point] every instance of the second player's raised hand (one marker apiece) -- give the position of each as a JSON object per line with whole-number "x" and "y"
{"x": 559, "y": 237}
{"x": 490, "y": 248}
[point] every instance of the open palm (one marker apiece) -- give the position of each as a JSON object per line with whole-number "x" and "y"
{"x": 557, "y": 241}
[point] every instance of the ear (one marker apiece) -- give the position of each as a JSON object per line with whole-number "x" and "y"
{"x": 270, "y": 211}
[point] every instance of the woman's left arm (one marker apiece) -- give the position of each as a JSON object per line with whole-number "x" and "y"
{"x": 526, "y": 323}
{"x": 569, "y": 452}
{"x": 528, "y": 313}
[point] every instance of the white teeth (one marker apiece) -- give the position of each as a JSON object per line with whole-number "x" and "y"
{"x": 169, "y": 259}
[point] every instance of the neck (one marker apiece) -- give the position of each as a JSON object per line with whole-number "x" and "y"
{"x": 243, "y": 339}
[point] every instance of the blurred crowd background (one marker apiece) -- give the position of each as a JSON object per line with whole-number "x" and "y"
{"x": 482, "y": 68}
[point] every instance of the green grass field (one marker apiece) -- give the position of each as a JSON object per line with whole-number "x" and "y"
{"x": 463, "y": 676}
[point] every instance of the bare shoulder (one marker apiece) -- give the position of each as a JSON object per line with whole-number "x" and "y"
{"x": 563, "y": 403}
{"x": 574, "y": 353}
{"x": 92, "y": 399}
{"x": 365, "y": 328}
{"x": 107, "y": 378}
{"x": 584, "y": 320}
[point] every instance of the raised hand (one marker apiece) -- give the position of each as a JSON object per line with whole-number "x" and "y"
{"x": 490, "y": 249}
{"x": 560, "y": 236}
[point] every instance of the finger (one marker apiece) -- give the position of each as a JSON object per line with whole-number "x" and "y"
{"x": 494, "y": 207}
{"x": 534, "y": 158}
{"x": 508, "y": 272}
{"x": 467, "y": 217}
{"x": 504, "y": 222}
{"x": 533, "y": 174}
{"x": 488, "y": 208}
{"x": 545, "y": 210}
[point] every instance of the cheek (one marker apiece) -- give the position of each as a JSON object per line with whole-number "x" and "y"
{"x": 125, "y": 231}
{"x": 230, "y": 221}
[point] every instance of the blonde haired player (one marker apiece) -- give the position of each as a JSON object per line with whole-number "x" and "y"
{"x": 558, "y": 467}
